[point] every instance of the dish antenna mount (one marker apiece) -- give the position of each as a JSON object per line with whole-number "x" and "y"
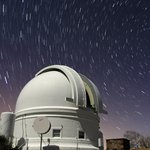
{"x": 41, "y": 125}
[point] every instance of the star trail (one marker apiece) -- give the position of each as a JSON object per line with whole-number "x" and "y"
{"x": 108, "y": 41}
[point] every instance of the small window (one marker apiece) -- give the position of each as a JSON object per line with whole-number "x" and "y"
{"x": 69, "y": 99}
{"x": 81, "y": 135}
{"x": 56, "y": 132}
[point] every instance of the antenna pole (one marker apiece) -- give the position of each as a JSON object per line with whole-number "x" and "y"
{"x": 41, "y": 142}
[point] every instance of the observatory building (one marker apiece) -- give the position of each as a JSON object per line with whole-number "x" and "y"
{"x": 59, "y": 109}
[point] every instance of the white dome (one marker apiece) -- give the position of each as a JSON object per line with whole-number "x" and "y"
{"x": 56, "y": 86}
{"x": 71, "y": 103}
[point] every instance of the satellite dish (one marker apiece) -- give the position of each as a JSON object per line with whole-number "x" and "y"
{"x": 41, "y": 125}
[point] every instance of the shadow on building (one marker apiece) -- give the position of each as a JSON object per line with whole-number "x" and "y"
{"x": 51, "y": 147}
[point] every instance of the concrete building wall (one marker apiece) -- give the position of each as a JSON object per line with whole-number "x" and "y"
{"x": 7, "y": 124}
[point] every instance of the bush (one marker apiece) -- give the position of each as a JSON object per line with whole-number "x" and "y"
{"x": 5, "y": 144}
{"x": 137, "y": 140}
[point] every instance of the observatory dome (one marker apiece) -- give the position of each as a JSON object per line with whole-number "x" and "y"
{"x": 70, "y": 103}
{"x": 56, "y": 86}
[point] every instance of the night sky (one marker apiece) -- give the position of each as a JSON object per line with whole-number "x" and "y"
{"x": 107, "y": 40}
